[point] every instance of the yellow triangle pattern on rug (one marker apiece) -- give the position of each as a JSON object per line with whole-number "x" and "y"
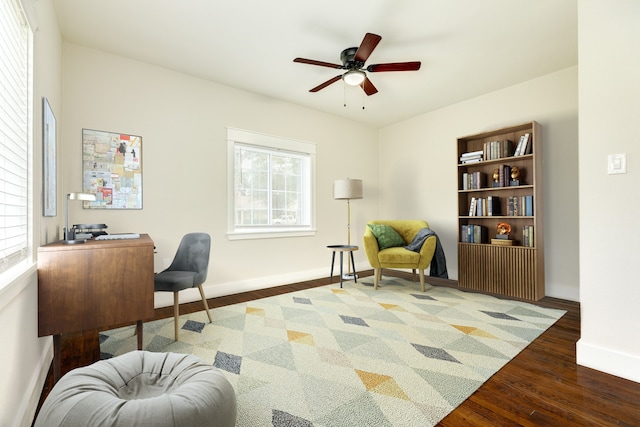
{"x": 351, "y": 356}
{"x": 300, "y": 337}
{"x": 255, "y": 311}
{"x": 382, "y": 384}
{"x": 392, "y": 307}
{"x": 470, "y": 330}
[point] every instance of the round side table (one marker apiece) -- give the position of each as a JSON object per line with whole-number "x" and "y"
{"x": 342, "y": 249}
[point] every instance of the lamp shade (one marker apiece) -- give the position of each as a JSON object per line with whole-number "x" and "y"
{"x": 347, "y": 189}
{"x": 81, "y": 196}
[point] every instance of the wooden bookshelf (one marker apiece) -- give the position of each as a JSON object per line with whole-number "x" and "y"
{"x": 515, "y": 270}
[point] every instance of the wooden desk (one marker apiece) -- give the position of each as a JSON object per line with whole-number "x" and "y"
{"x": 94, "y": 285}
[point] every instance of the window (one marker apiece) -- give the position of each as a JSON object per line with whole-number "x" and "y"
{"x": 271, "y": 183}
{"x": 15, "y": 134}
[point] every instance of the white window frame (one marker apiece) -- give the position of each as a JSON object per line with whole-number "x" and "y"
{"x": 16, "y": 201}
{"x": 270, "y": 143}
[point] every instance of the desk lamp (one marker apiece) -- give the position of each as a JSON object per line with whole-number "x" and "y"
{"x": 347, "y": 189}
{"x": 70, "y": 234}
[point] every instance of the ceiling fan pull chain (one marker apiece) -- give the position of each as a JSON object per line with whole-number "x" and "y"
{"x": 344, "y": 94}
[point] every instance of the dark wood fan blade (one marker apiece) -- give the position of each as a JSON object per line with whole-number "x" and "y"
{"x": 394, "y": 66}
{"x": 369, "y": 42}
{"x": 314, "y": 62}
{"x": 325, "y": 84}
{"x": 368, "y": 87}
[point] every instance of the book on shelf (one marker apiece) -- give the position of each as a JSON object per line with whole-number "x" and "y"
{"x": 493, "y": 206}
{"x": 481, "y": 207}
{"x": 527, "y": 236}
{"x": 479, "y": 180}
{"x": 520, "y": 205}
{"x": 471, "y": 157}
{"x": 474, "y": 180}
{"x": 504, "y": 175}
{"x": 484, "y": 206}
{"x": 498, "y": 149}
{"x": 514, "y": 206}
{"x": 471, "y": 154}
{"x": 479, "y": 234}
{"x": 523, "y": 146}
{"x": 473, "y": 233}
{"x": 528, "y": 205}
{"x": 519, "y": 146}
{"x": 470, "y": 161}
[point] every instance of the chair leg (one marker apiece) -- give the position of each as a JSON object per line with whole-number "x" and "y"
{"x": 376, "y": 277}
{"x": 422, "y": 279}
{"x": 206, "y": 306}
{"x": 413, "y": 274}
{"x": 176, "y": 313}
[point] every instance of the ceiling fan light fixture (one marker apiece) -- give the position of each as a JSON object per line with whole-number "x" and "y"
{"x": 354, "y": 77}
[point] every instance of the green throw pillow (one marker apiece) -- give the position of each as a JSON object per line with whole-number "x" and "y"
{"x": 386, "y": 235}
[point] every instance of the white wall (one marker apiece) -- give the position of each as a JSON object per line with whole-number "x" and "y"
{"x": 25, "y": 358}
{"x": 609, "y": 204}
{"x": 418, "y": 174}
{"x": 183, "y": 121}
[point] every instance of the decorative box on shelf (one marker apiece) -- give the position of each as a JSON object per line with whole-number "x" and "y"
{"x": 502, "y": 242}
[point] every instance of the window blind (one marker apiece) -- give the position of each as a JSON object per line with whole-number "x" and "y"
{"x": 15, "y": 128}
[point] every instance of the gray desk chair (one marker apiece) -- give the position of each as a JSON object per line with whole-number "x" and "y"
{"x": 188, "y": 270}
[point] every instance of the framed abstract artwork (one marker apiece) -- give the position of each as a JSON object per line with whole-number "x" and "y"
{"x": 112, "y": 169}
{"x": 49, "y": 179}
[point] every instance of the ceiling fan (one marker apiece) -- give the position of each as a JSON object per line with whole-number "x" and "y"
{"x": 353, "y": 59}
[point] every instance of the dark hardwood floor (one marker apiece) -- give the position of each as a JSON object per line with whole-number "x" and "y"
{"x": 542, "y": 386}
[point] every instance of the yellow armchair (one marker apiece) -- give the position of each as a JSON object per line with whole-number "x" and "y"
{"x": 399, "y": 257}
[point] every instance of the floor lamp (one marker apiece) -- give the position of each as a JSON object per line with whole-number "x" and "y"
{"x": 347, "y": 189}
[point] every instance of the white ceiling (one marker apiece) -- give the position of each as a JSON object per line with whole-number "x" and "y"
{"x": 467, "y": 47}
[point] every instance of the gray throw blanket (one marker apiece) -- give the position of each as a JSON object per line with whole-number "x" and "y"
{"x": 438, "y": 267}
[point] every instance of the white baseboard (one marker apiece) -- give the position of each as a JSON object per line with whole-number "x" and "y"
{"x": 165, "y": 299}
{"x": 26, "y": 412}
{"x": 621, "y": 365}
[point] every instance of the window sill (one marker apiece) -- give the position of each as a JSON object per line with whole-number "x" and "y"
{"x": 15, "y": 280}
{"x": 269, "y": 234}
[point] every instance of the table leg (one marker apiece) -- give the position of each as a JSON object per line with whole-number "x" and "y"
{"x": 353, "y": 264}
{"x": 333, "y": 258}
{"x": 341, "y": 268}
{"x": 57, "y": 355}
{"x": 139, "y": 333}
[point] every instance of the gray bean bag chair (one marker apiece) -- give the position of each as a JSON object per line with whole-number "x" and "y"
{"x": 141, "y": 388}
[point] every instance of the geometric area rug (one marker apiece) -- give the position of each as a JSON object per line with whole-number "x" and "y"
{"x": 354, "y": 356}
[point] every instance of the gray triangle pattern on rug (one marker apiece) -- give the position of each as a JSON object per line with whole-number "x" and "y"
{"x": 351, "y": 356}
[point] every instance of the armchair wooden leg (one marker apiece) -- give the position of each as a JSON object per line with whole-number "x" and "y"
{"x": 176, "y": 313}
{"x": 206, "y": 306}
{"x": 413, "y": 274}
{"x": 376, "y": 277}
{"x": 421, "y": 278}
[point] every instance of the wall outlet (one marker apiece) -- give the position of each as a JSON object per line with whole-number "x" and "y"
{"x": 617, "y": 163}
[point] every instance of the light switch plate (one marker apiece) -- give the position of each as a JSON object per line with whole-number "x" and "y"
{"x": 617, "y": 163}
